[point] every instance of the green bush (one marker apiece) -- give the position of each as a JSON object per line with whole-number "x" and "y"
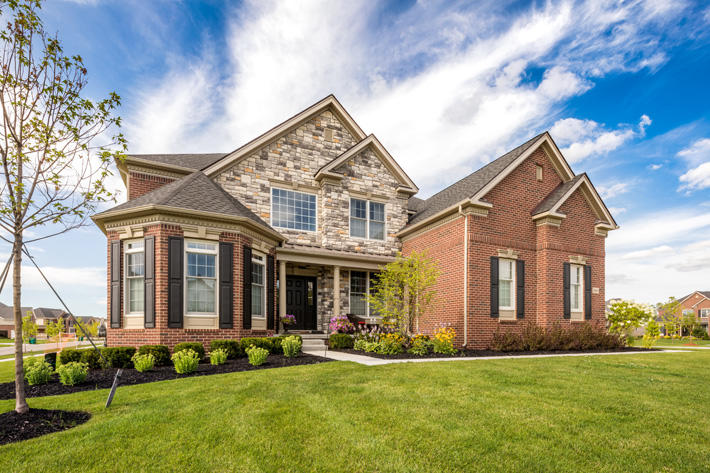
{"x": 119, "y": 357}
{"x": 69, "y": 355}
{"x": 371, "y": 347}
{"x": 257, "y": 355}
{"x": 699, "y": 332}
{"x": 584, "y": 336}
{"x": 261, "y": 342}
{"x": 421, "y": 345}
{"x": 389, "y": 346}
{"x": 194, "y": 346}
{"x": 231, "y": 347}
{"x": 218, "y": 356}
{"x": 360, "y": 344}
{"x": 92, "y": 358}
{"x": 161, "y": 353}
{"x": 72, "y": 373}
{"x": 341, "y": 340}
{"x": 37, "y": 371}
{"x": 143, "y": 363}
{"x": 291, "y": 346}
{"x": 185, "y": 361}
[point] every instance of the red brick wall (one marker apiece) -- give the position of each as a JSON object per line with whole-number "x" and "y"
{"x": 509, "y": 226}
{"x": 139, "y": 183}
{"x": 162, "y": 334}
{"x": 692, "y": 303}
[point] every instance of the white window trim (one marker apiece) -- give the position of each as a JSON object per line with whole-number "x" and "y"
{"x": 578, "y": 312}
{"x": 271, "y": 207}
{"x": 513, "y": 287}
{"x": 367, "y": 219}
{"x": 126, "y": 252}
{"x": 705, "y": 311}
{"x": 367, "y": 288}
{"x": 216, "y": 277}
{"x": 264, "y": 296}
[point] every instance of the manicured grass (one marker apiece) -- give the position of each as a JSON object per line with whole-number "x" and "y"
{"x": 674, "y": 342}
{"x": 599, "y": 413}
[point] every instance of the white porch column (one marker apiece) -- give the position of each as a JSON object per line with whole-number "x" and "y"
{"x": 282, "y": 288}
{"x": 336, "y": 291}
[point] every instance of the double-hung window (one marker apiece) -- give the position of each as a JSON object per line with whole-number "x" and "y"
{"x": 293, "y": 210}
{"x": 258, "y": 284}
{"x": 361, "y": 284}
{"x": 135, "y": 276}
{"x": 367, "y": 219}
{"x": 576, "y": 291}
{"x": 201, "y": 277}
{"x": 704, "y": 312}
{"x": 506, "y": 286}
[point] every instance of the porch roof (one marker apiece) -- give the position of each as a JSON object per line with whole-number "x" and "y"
{"x": 325, "y": 257}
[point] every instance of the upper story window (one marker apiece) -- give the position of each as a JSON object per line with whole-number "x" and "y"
{"x": 704, "y": 312}
{"x": 258, "y": 283}
{"x": 367, "y": 219}
{"x": 135, "y": 276}
{"x": 506, "y": 283}
{"x": 201, "y": 277}
{"x": 576, "y": 294}
{"x": 293, "y": 210}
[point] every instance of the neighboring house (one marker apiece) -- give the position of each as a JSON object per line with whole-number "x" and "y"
{"x": 697, "y": 303}
{"x": 300, "y": 219}
{"x": 45, "y": 316}
{"x": 7, "y": 320}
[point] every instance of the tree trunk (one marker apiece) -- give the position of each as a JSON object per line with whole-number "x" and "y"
{"x": 20, "y": 403}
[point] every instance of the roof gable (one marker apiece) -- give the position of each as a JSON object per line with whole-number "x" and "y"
{"x": 186, "y": 162}
{"x": 330, "y": 169}
{"x": 328, "y": 103}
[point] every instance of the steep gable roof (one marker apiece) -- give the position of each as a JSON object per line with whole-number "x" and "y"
{"x": 328, "y": 103}
{"x": 329, "y": 170}
{"x": 47, "y": 313}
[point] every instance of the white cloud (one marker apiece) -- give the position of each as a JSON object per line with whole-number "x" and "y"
{"x": 655, "y": 167}
{"x": 61, "y": 276}
{"x": 658, "y": 250}
{"x": 616, "y": 211}
{"x": 696, "y": 179}
{"x": 698, "y": 152}
{"x": 612, "y": 190}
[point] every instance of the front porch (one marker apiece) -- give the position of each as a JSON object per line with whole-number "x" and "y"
{"x": 315, "y": 284}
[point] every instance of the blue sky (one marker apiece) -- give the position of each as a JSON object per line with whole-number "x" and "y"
{"x": 446, "y": 86}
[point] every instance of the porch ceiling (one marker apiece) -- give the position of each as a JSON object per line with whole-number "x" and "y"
{"x": 322, "y": 257}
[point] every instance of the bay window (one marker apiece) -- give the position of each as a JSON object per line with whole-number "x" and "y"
{"x": 258, "y": 286}
{"x": 135, "y": 276}
{"x": 201, "y": 277}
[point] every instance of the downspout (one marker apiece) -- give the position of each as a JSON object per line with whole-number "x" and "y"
{"x": 465, "y": 278}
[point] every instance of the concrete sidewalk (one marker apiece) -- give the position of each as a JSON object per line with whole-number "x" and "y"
{"x": 371, "y": 361}
{"x": 27, "y": 348}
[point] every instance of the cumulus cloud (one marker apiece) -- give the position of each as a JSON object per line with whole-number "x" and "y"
{"x": 655, "y": 167}
{"x": 612, "y": 190}
{"x": 697, "y": 152}
{"x": 696, "y": 178}
{"x": 616, "y": 211}
{"x": 658, "y": 250}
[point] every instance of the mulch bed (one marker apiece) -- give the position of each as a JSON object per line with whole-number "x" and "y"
{"x": 477, "y": 353}
{"x": 15, "y": 427}
{"x": 103, "y": 379}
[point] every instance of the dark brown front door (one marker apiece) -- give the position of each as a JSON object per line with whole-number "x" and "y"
{"x": 301, "y": 301}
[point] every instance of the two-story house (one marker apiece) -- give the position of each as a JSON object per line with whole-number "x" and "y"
{"x": 300, "y": 219}
{"x": 697, "y": 303}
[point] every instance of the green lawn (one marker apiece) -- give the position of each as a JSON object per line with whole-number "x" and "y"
{"x": 645, "y": 412}
{"x": 671, "y": 342}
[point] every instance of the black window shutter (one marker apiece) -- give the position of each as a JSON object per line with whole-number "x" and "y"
{"x": 270, "y": 292}
{"x": 246, "y": 307}
{"x": 116, "y": 284}
{"x": 175, "y": 278}
{"x": 588, "y": 292}
{"x": 494, "y": 286}
{"x": 149, "y": 282}
{"x": 565, "y": 290}
{"x": 226, "y": 285}
{"x": 520, "y": 293}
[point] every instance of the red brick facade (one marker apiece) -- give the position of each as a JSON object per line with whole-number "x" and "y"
{"x": 140, "y": 183}
{"x": 697, "y": 302}
{"x": 509, "y": 226}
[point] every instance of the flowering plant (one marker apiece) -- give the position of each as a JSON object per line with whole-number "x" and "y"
{"x": 288, "y": 319}
{"x": 341, "y": 324}
{"x": 443, "y": 341}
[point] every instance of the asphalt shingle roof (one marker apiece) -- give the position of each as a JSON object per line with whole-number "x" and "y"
{"x": 470, "y": 184}
{"x": 193, "y": 192}
{"x": 194, "y": 161}
{"x": 554, "y": 197}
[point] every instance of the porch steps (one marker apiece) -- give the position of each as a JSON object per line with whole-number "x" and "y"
{"x": 313, "y": 341}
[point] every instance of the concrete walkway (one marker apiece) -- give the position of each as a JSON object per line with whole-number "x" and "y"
{"x": 371, "y": 361}
{"x": 27, "y": 348}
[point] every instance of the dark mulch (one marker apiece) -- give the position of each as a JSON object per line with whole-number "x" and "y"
{"x": 15, "y": 427}
{"x": 477, "y": 353}
{"x": 103, "y": 379}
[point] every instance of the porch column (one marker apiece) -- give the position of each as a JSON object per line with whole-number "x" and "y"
{"x": 282, "y": 288}
{"x": 336, "y": 291}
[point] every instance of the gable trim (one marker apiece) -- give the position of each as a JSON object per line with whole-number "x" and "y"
{"x": 283, "y": 128}
{"x": 329, "y": 169}
{"x": 692, "y": 294}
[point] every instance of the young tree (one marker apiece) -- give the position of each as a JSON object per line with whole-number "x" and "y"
{"x": 688, "y": 323}
{"x": 404, "y": 291}
{"x": 55, "y": 329}
{"x": 29, "y": 328}
{"x": 670, "y": 315}
{"x": 626, "y": 316}
{"x": 54, "y": 171}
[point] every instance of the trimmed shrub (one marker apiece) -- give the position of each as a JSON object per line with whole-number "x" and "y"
{"x": 699, "y": 332}
{"x": 341, "y": 340}
{"x": 578, "y": 337}
{"x": 261, "y": 342}
{"x": 161, "y": 353}
{"x": 69, "y": 355}
{"x": 92, "y": 358}
{"x": 257, "y": 355}
{"x": 291, "y": 346}
{"x": 185, "y": 361}
{"x": 231, "y": 347}
{"x": 119, "y": 357}
{"x": 143, "y": 363}
{"x": 218, "y": 356}
{"x": 72, "y": 373}
{"x": 197, "y": 347}
{"x": 37, "y": 371}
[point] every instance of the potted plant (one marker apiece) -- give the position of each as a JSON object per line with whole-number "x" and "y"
{"x": 288, "y": 321}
